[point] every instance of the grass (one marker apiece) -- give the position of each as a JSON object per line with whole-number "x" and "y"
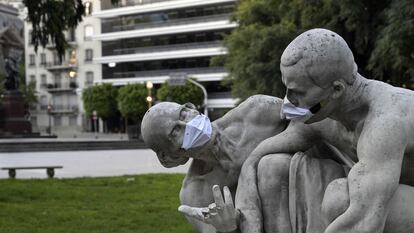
{"x": 144, "y": 204}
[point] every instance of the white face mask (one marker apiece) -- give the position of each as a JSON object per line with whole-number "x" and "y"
{"x": 197, "y": 132}
{"x": 291, "y": 112}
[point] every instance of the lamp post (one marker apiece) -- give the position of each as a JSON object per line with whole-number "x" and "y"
{"x": 179, "y": 79}
{"x": 49, "y": 112}
{"x": 95, "y": 122}
{"x": 149, "y": 97}
{"x": 204, "y": 92}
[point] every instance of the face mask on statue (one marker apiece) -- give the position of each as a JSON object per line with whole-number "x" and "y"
{"x": 197, "y": 132}
{"x": 291, "y": 112}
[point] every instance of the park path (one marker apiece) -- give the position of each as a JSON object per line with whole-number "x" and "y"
{"x": 87, "y": 163}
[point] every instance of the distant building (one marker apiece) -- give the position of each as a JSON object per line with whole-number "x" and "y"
{"x": 59, "y": 84}
{"x": 11, "y": 25}
{"x": 150, "y": 40}
{"x": 18, "y": 5}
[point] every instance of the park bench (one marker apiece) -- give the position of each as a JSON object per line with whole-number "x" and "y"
{"x": 50, "y": 170}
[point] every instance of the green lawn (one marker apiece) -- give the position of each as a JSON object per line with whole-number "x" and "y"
{"x": 146, "y": 203}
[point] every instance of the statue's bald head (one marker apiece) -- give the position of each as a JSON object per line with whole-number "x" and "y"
{"x": 155, "y": 122}
{"x": 323, "y": 55}
{"x": 156, "y": 128}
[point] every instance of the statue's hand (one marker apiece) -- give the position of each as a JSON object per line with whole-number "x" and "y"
{"x": 221, "y": 214}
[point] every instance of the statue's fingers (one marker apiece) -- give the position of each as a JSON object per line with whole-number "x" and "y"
{"x": 228, "y": 199}
{"x": 218, "y": 197}
{"x": 193, "y": 212}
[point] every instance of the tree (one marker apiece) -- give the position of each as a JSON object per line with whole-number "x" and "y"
{"x": 131, "y": 101}
{"x": 100, "y": 98}
{"x": 393, "y": 56}
{"x": 378, "y": 33}
{"x": 28, "y": 90}
{"x": 181, "y": 94}
{"x": 50, "y": 18}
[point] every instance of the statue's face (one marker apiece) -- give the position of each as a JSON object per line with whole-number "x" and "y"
{"x": 168, "y": 122}
{"x": 300, "y": 90}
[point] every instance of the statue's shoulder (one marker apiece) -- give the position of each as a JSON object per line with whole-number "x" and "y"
{"x": 261, "y": 100}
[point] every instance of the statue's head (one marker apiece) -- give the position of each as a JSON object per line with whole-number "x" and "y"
{"x": 163, "y": 128}
{"x": 316, "y": 66}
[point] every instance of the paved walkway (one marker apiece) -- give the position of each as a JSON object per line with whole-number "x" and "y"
{"x": 87, "y": 163}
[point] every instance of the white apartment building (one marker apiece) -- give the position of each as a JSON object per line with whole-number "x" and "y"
{"x": 59, "y": 84}
{"x": 151, "y": 40}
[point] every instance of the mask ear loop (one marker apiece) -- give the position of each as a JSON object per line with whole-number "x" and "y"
{"x": 315, "y": 108}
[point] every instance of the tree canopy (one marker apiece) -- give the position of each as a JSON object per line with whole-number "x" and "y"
{"x": 100, "y": 98}
{"x": 131, "y": 101}
{"x": 380, "y": 34}
{"x": 181, "y": 94}
{"x": 51, "y": 18}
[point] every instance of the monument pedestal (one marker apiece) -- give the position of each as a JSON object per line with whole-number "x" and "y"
{"x": 13, "y": 115}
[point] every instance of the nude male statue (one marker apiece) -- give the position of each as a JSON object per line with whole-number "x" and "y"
{"x": 281, "y": 180}
{"x": 219, "y": 160}
{"x": 374, "y": 119}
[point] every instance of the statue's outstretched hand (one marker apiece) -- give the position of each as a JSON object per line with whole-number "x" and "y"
{"x": 221, "y": 214}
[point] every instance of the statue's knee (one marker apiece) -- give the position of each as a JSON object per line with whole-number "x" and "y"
{"x": 273, "y": 171}
{"x": 336, "y": 199}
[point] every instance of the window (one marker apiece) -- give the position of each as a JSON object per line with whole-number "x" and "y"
{"x": 57, "y": 120}
{"x": 33, "y": 120}
{"x": 43, "y": 81}
{"x": 30, "y": 37}
{"x": 32, "y": 60}
{"x": 88, "y": 32}
{"x": 58, "y": 81}
{"x": 88, "y": 8}
{"x": 89, "y": 79}
{"x": 88, "y": 55}
{"x": 71, "y": 35}
{"x": 73, "y": 120}
{"x": 32, "y": 78}
{"x": 56, "y": 60}
{"x": 43, "y": 59}
{"x": 43, "y": 102}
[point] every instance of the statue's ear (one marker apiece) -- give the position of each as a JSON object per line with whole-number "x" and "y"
{"x": 339, "y": 88}
{"x": 190, "y": 105}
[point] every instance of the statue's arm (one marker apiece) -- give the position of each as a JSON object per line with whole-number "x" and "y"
{"x": 297, "y": 137}
{"x": 373, "y": 180}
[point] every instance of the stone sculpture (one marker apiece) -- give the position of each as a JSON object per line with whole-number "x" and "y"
{"x": 375, "y": 120}
{"x": 12, "y": 74}
{"x": 219, "y": 160}
{"x": 358, "y": 119}
{"x": 280, "y": 178}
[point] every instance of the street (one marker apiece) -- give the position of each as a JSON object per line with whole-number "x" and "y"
{"x": 87, "y": 163}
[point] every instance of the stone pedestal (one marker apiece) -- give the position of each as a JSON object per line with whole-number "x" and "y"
{"x": 13, "y": 115}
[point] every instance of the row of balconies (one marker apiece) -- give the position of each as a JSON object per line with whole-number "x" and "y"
{"x": 59, "y": 87}
{"x": 152, "y": 73}
{"x": 55, "y": 109}
{"x": 108, "y": 27}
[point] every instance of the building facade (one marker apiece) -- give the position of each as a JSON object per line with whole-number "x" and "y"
{"x": 59, "y": 83}
{"x": 152, "y": 40}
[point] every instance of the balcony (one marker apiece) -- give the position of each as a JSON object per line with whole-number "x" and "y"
{"x": 127, "y": 3}
{"x": 164, "y": 48}
{"x": 111, "y": 27}
{"x": 166, "y": 72}
{"x": 54, "y": 66}
{"x": 71, "y": 42}
{"x": 128, "y": 7}
{"x": 58, "y": 87}
{"x": 167, "y": 30}
{"x": 64, "y": 109}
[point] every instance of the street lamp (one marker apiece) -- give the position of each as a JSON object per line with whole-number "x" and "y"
{"x": 72, "y": 73}
{"x": 49, "y": 112}
{"x": 149, "y": 97}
